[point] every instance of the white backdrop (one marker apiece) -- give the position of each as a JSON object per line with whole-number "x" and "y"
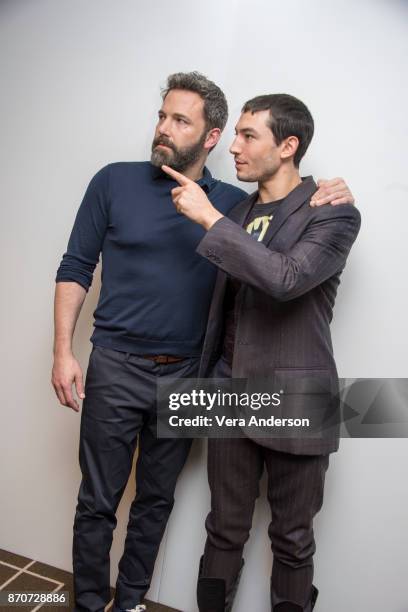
{"x": 80, "y": 88}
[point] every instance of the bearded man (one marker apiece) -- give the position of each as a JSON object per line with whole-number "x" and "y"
{"x": 149, "y": 323}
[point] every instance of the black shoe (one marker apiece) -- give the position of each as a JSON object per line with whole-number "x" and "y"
{"x": 288, "y": 606}
{"x": 211, "y": 595}
{"x": 313, "y": 596}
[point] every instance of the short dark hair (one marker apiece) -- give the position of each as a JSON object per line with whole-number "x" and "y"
{"x": 288, "y": 117}
{"x": 215, "y": 102}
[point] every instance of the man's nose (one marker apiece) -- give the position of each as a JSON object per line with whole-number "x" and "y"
{"x": 164, "y": 127}
{"x": 234, "y": 148}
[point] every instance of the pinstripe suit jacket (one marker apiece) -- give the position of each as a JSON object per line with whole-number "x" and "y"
{"x": 285, "y": 304}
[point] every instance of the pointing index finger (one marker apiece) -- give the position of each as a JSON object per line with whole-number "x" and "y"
{"x": 177, "y": 176}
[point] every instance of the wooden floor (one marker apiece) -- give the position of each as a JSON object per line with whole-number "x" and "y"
{"x": 21, "y": 574}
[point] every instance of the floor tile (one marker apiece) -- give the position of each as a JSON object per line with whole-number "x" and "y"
{"x": 26, "y": 582}
{"x": 6, "y": 573}
{"x": 17, "y": 560}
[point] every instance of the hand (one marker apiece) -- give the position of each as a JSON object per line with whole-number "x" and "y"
{"x": 334, "y": 191}
{"x": 191, "y": 201}
{"x": 65, "y": 372}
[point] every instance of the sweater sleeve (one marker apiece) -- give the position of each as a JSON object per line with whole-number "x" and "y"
{"x": 88, "y": 233}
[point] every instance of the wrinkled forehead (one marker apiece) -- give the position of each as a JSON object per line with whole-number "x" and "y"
{"x": 184, "y": 102}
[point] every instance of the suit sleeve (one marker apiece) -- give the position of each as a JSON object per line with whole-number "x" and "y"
{"x": 319, "y": 254}
{"x": 88, "y": 233}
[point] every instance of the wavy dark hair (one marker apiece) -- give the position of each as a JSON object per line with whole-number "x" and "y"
{"x": 288, "y": 117}
{"x": 215, "y": 102}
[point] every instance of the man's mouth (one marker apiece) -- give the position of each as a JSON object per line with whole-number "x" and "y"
{"x": 165, "y": 144}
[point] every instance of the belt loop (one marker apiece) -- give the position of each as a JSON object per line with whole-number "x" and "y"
{"x": 127, "y": 356}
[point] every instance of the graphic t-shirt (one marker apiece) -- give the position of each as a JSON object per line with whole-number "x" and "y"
{"x": 259, "y": 219}
{"x": 256, "y": 224}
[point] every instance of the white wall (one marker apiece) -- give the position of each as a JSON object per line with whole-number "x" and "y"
{"x": 80, "y": 88}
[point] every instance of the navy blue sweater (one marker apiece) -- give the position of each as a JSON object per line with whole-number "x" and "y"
{"x": 156, "y": 289}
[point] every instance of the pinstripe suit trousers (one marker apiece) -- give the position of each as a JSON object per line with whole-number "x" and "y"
{"x": 295, "y": 494}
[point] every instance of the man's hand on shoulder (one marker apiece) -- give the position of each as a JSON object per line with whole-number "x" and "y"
{"x": 66, "y": 371}
{"x": 334, "y": 191}
{"x": 191, "y": 201}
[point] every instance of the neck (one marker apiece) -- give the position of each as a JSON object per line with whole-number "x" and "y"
{"x": 279, "y": 185}
{"x": 195, "y": 172}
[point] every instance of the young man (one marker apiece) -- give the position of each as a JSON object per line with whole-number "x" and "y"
{"x": 144, "y": 329}
{"x": 280, "y": 261}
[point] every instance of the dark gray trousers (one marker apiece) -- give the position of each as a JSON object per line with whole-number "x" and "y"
{"x": 295, "y": 494}
{"x": 119, "y": 408}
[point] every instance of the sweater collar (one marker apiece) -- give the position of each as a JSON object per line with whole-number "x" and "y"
{"x": 205, "y": 181}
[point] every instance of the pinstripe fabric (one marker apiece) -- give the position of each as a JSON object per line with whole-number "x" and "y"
{"x": 285, "y": 305}
{"x": 283, "y": 312}
{"x": 295, "y": 494}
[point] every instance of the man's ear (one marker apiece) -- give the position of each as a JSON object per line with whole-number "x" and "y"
{"x": 288, "y": 147}
{"x": 212, "y": 138}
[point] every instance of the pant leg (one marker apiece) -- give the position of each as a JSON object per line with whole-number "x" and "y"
{"x": 159, "y": 464}
{"x": 234, "y": 470}
{"x": 295, "y": 493}
{"x": 109, "y": 427}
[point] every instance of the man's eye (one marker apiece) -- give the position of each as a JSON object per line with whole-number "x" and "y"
{"x": 180, "y": 120}
{"x": 248, "y": 136}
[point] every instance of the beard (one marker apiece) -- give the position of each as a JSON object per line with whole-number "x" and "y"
{"x": 178, "y": 158}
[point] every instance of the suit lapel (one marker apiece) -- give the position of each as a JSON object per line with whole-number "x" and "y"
{"x": 238, "y": 215}
{"x": 240, "y": 211}
{"x": 292, "y": 202}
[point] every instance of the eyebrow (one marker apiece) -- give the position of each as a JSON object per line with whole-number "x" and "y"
{"x": 176, "y": 115}
{"x": 180, "y": 116}
{"x": 246, "y": 130}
